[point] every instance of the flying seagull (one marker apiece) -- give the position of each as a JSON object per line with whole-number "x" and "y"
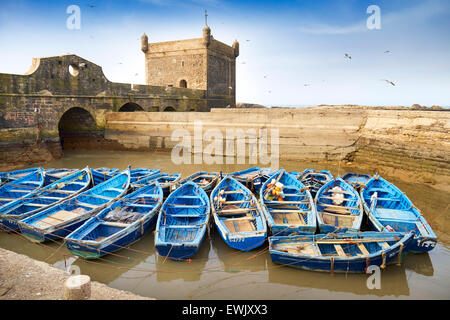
{"x": 390, "y": 82}
{"x": 387, "y": 51}
{"x": 347, "y": 56}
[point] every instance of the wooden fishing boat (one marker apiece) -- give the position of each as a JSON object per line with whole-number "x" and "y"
{"x": 182, "y": 223}
{"x": 252, "y": 178}
{"x": 313, "y": 179}
{"x": 9, "y": 176}
{"x": 357, "y": 180}
{"x": 339, "y": 207}
{"x": 102, "y": 174}
{"x": 389, "y": 209}
{"x": 21, "y": 187}
{"x": 61, "y": 219}
{"x": 288, "y": 205}
{"x": 141, "y": 173}
{"x": 341, "y": 252}
{"x": 238, "y": 215}
{"x": 44, "y": 198}
{"x": 205, "y": 180}
{"x": 52, "y": 175}
{"x": 167, "y": 181}
{"x": 119, "y": 225}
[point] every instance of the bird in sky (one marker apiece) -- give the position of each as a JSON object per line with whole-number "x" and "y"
{"x": 390, "y": 82}
{"x": 306, "y": 85}
{"x": 387, "y": 51}
{"x": 347, "y": 56}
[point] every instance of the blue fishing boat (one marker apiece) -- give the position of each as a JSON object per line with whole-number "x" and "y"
{"x": 21, "y": 187}
{"x": 52, "y": 175}
{"x": 119, "y": 225}
{"x": 252, "y": 178}
{"x": 9, "y": 176}
{"x": 102, "y": 174}
{"x": 339, "y": 207}
{"x": 182, "y": 223}
{"x": 238, "y": 215}
{"x": 167, "y": 181}
{"x": 288, "y": 205}
{"x": 61, "y": 219}
{"x": 340, "y": 252}
{"x": 205, "y": 180}
{"x": 44, "y": 198}
{"x": 357, "y": 180}
{"x": 141, "y": 173}
{"x": 313, "y": 179}
{"x": 389, "y": 209}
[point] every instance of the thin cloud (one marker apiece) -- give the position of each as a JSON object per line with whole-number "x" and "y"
{"x": 421, "y": 12}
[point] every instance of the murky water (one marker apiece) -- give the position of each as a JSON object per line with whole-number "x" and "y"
{"x": 219, "y": 272}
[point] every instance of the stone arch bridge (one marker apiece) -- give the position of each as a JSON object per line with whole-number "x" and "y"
{"x": 63, "y": 96}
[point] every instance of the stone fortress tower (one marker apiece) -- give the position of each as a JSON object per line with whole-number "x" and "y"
{"x": 203, "y": 63}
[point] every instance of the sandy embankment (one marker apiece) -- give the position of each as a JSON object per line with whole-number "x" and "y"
{"x": 22, "y": 278}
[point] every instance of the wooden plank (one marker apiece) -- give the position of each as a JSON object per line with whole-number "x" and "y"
{"x": 339, "y": 250}
{"x": 36, "y": 204}
{"x": 286, "y": 210}
{"x": 115, "y": 224}
{"x": 337, "y": 206}
{"x": 294, "y": 219}
{"x": 239, "y": 219}
{"x": 385, "y": 245}
{"x": 230, "y": 192}
{"x": 286, "y": 202}
{"x": 237, "y": 201}
{"x": 232, "y": 211}
{"x": 8, "y": 199}
{"x": 363, "y": 249}
{"x": 83, "y": 204}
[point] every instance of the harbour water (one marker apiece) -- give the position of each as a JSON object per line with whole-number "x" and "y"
{"x": 219, "y": 272}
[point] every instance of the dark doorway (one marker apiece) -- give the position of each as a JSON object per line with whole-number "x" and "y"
{"x": 76, "y": 127}
{"x": 169, "y": 109}
{"x": 131, "y": 107}
{"x": 183, "y": 84}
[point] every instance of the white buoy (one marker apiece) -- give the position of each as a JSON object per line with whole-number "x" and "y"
{"x": 77, "y": 287}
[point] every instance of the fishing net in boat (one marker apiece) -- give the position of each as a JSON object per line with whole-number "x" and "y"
{"x": 338, "y": 195}
{"x": 122, "y": 215}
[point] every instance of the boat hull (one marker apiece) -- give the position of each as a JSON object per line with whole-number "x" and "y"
{"x": 179, "y": 251}
{"x": 102, "y": 249}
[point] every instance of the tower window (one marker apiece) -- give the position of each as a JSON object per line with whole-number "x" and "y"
{"x": 183, "y": 84}
{"x": 182, "y": 63}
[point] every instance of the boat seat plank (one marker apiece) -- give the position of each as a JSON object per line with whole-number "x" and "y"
{"x": 8, "y": 199}
{"x": 339, "y": 250}
{"x": 92, "y": 206}
{"x": 363, "y": 249}
{"x": 51, "y": 198}
{"x": 57, "y": 217}
{"x": 115, "y": 224}
{"x": 37, "y": 204}
{"x": 384, "y": 245}
{"x": 239, "y": 219}
{"x": 384, "y": 213}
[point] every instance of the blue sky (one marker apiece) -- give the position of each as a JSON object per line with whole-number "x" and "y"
{"x": 284, "y": 45}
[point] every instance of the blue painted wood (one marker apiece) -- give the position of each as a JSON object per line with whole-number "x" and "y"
{"x": 182, "y": 222}
{"x": 166, "y": 180}
{"x": 38, "y": 227}
{"x": 9, "y": 176}
{"x": 52, "y": 175}
{"x": 244, "y": 227}
{"x": 21, "y": 187}
{"x": 44, "y": 198}
{"x": 357, "y": 180}
{"x": 388, "y": 208}
{"x": 339, "y": 207}
{"x": 102, "y": 174}
{"x": 296, "y": 213}
{"x": 252, "y": 178}
{"x": 340, "y": 252}
{"x": 313, "y": 179}
{"x": 205, "y": 180}
{"x": 141, "y": 173}
{"x": 98, "y": 237}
